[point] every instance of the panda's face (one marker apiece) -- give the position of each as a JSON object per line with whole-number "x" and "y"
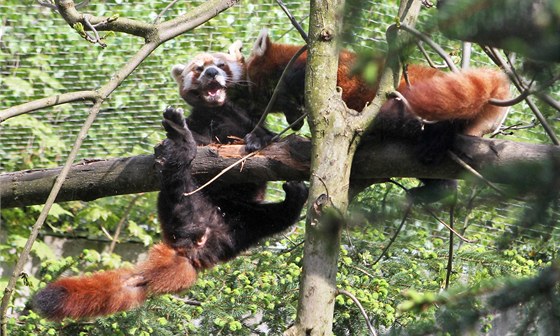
{"x": 205, "y": 79}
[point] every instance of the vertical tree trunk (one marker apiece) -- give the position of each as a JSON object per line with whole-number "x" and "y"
{"x": 335, "y": 134}
{"x": 331, "y": 157}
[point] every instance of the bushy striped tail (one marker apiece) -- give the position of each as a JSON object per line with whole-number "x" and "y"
{"x": 464, "y": 95}
{"x": 108, "y": 292}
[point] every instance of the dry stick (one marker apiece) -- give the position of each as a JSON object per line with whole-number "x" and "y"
{"x": 294, "y": 21}
{"x": 243, "y": 159}
{"x": 473, "y": 171}
{"x": 362, "y": 310}
{"x": 277, "y": 88}
{"x": 123, "y": 219}
{"x": 225, "y": 170}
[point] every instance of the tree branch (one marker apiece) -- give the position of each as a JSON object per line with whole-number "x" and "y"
{"x": 285, "y": 160}
{"x": 48, "y": 102}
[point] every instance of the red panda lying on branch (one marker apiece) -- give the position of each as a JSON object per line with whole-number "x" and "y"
{"x": 438, "y": 105}
{"x": 433, "y": 95}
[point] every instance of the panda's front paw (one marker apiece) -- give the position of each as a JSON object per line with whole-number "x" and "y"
{"x": 254, "y": 142}
{"x": 173, "y": 114}
{"x": 174, "y": 123}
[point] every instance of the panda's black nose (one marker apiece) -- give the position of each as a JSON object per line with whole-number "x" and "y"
{"x": 211, "y": 72}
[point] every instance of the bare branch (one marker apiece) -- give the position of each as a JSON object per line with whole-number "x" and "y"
{"x": 420, "y": 45}
{"x": 362, "y": 310}
{"x": 518, "y": 83}
{"x": 432, "y": 44}
{"x": 68, "y": 11}
{"x": 47, "y": 102}
{"x": 295, "y": 23}
{"x": 171, "y": 4}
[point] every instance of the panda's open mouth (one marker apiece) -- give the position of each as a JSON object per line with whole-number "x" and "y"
{"x": 214, "y": 93}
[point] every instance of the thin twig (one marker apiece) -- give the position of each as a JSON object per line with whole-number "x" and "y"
{"x": 420, "y": 45}
{"x": 406, "y": 214}
{"x": 47, "y": 102}
{"x": 225, "y": 170}
{"x": 158, "y": 17}
{"x": 508, "y": 68}
{"x": 278, "y": 87}
{"x": 97, "y": 39}
{"x": 362, "y": 310}
{"x": 115, "y": 237}
{"x": 429, "y": 211}
{"x": 432, "y": 44}
{"x": 295, "y": 23}
{"x": 473, "y": 171}
{"x": 277, "y": 136}
{"x": 48, "y": 4}
{"x": 451, "y": 238}
{"x": 432, "y": 213}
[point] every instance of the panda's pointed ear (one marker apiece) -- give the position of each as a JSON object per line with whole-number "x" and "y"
{"x": 177, "y": 71}
{"x": 235, "y": 50}
{"x": 261, "y": 44}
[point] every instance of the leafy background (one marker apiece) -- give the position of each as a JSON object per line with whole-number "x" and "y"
{"x": 256, "y": 293}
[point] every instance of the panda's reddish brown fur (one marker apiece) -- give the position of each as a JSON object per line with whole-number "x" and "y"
{"x": 434, "y": 95}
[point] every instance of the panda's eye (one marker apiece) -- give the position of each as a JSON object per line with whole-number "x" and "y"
{"x": 221, "y": 65}
{"x": 199, "y": 68}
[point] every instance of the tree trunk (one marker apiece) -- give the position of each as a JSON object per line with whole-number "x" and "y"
{"x": 331, "y": 158}
{"x": 335, "y": 132}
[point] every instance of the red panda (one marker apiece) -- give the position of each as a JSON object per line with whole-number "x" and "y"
{"x": 456, "y": 102}
{"x": 199, "y": 231}
{"x": 433, "y": 95}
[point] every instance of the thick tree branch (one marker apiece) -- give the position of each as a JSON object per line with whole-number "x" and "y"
{"x": 286, "y": 160}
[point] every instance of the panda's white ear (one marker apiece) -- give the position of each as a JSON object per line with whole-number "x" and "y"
{"x": 235, "y": 50}
{"x": 177, "y": 71}
{"x": 261, "y": 44}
